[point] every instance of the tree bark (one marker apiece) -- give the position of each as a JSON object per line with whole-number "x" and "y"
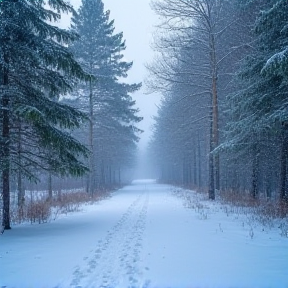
{"x": 283, "y": 164}
{"x": 215, "y": 129}
{"x": 211, "y": 192}
{"x": 21, "y": 191}
{"x": 110, "y": 174}
{"x": 195, "y": 166}
{"x": 255, "y": 170}
{"x": 91, "y": 126}
{"x": 119, "y": 175}
{"x": 199, "y": 162}
{"x": 50, "y": 192}
{"x": 6, "y": 149}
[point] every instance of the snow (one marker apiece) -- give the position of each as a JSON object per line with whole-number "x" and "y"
{"x": 275, "y": 60}
{"x": 144, "y": 236}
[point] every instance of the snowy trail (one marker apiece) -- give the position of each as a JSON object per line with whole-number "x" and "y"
{"x": 144, "y": 237}
{"x": 116, "y": 260}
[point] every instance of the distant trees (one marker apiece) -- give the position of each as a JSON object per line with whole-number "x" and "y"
{"x": 112, "y": 133}
{"x": 196, "y": 32}
{"x": 202, "y": 29}
{"x": 221, "y": 67}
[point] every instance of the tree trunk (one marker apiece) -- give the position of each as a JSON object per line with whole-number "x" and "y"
{"x": 255, "y": 170}
{"x": 283, "y": 164}
{"x": 211, "y": 191}
{"x": 214, "y": 170}
{"x": 215, "y": 129}
{"x": 110, "y": 175}
{"x": 199, "y": 163}
{"x": 114, "y": 177}
{"x": 102, "y": 181}
{"x": 119, "y": 175}
{"x": 50, "y": 192}
{"x": 5, "y": 150}
{"x": 190, "y": 174}
{"x": 91, "y": 159}
{"x": 183, "y": 172}
{"x": 194, "y": 165}
{"x": 21, "y": 191}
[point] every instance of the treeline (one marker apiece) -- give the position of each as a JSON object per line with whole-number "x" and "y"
{"x": 65, "y": 111}
{"x": 222, "y": 68}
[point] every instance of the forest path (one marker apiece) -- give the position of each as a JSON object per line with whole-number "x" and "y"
{"x": 115, "y": 261}
{"x": 146, "y": 235}
{"x": 142, "y": 241}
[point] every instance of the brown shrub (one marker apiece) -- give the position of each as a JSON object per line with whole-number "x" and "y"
{"x": 41, "y": 210}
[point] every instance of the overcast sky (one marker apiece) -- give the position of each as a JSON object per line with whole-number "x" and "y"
{"x": 136, "y": 20}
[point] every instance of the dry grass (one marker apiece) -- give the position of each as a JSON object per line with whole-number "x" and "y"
{"x": 268, "y": 213}
{"x": 265, "y": 206}
{"x": 41, "y": 210}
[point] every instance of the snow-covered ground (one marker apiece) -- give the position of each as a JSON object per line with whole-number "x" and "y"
{"x": 143, "y": 236}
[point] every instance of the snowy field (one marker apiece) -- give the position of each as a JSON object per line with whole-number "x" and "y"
{"x": 144, "y": 236}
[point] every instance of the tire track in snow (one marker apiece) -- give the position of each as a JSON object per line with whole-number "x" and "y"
{"x": 116, "y": 261}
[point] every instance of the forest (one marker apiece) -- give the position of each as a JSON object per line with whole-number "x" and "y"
{"x": 210, "y": 205}
{"x": 222, "y": 68}
{"x": 68, "y": 117}
{"x": 65, "y": 110}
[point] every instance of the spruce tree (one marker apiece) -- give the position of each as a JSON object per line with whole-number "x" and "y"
{"x": 259, "y": 110}
{"x": 36, "y": 68}
{"x": 106, "y": 99}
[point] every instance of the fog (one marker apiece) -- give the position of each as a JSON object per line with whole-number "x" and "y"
{"x": 136, "y": 20}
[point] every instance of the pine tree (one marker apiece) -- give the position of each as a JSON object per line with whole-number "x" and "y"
{"x": 36, "y": 69}
{"x": 259, "y": 110}
{"x": 105, "y": 99}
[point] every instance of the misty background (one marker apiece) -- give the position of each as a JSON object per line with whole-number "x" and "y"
{"x": 137, "y": 21}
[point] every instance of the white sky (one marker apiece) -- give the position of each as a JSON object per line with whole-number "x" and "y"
{"x": 135, "y": 19}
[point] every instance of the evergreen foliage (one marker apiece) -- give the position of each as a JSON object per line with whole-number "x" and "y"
{"x": 259, "y": 110}
{"x": 36, "y": 69}
{"x": 112, "y": 133}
